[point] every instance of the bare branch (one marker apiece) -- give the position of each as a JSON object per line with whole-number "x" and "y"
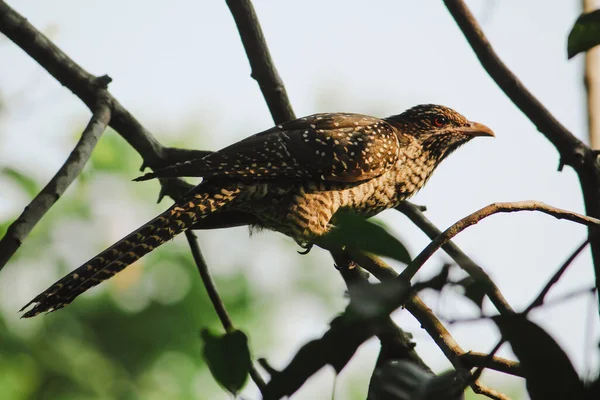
{"x": 216, "y": 300}
{"x": 564, "y": 141}
{"x": 72, "y": 167}
{"x": 487, "y": 391}
{"x": 492, "y": 209}
{"x": 475, "y": 359}
{"x": 263, "y": 68}
{"x": 209, "y": 283}
{"x": 415, "y": 214}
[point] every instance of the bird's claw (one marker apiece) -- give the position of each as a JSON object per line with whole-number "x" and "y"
{"x": 307, "y": 248}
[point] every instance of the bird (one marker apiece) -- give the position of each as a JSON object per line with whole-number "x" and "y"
{"x": 292, "y": 178}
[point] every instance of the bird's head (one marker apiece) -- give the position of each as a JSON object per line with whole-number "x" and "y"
{"x": 440, "y": 130}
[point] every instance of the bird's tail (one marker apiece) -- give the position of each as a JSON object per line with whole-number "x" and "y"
{"x": 172, "y": 222}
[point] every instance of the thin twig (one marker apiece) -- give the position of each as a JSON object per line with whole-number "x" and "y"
{"x": 263, "y": 68}
{"x": 216, "y": 300}
{"x": 572, "y": 151}
{"x": 492, "y": 209}
{"x": 539, "y": 300}
{"x": 72, "y": 167}
{"x": 487, "y": 391}
{"x": 415, "y": 214}
{"x": 486, "y": 361}
{"x": 209, "y": 283}
{"x": 475, "y": 359}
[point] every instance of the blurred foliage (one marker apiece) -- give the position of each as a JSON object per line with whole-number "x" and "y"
{"x": 96, "y": 348}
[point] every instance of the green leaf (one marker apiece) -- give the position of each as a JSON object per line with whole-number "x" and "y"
{"x": 228, "y": 358}
{"x": 355, "y": 233}
{"x": 547, "y": 369}
{"x": 28, "y": 184}
{"x": 585, "y": 34}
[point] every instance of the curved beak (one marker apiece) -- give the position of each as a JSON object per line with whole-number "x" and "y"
{"x": 476, "y": 129}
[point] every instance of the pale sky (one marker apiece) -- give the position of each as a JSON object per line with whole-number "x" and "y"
{"x": 181, "y": 62}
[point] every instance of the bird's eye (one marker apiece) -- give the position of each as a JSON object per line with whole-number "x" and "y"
{"x": 440, "y": 121}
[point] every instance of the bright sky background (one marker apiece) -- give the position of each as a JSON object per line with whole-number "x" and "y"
{"x": 181, "y": 62}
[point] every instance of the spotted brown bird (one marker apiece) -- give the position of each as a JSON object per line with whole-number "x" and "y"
{"x": 292, "y": 178}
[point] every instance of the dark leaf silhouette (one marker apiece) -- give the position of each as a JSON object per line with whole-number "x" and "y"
{"x": 548, "y": 371}
{"x": 228, "y": 358}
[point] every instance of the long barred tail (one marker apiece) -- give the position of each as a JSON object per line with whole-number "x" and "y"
{"x": 169, "y": 224}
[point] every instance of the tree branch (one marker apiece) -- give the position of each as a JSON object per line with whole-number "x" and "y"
{"x": 263, "y": 68}
{"x": 80, "y": 82}
{"x": 216, "y": 300}
{"x": 395, "y": 345}
{"x": 432, "y": 325}
{"x": 564, "y": 141}
{"x": 540, "y": 298}
{"x": 492, "y": 209}
{"x": 414, "y": 213}
{"x": 93, "y": 92}
{"x": 572, "y": 151}
{"x": 72, "y": 167}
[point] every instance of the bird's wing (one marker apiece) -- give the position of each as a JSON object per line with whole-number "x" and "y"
{"x": 331, "y": 147}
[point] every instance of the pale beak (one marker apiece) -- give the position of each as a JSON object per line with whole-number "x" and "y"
{"x": 476, "y": 129}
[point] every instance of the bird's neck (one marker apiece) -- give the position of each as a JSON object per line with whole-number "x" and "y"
{"x": 413, "y": 169}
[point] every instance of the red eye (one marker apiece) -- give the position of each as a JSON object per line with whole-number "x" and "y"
{"x": 440, "y": 121}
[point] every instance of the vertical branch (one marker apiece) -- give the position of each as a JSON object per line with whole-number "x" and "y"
{"x": 216, "y": 300}
{"x": 263, "y": 68}
{"x": 591, "y": 78}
